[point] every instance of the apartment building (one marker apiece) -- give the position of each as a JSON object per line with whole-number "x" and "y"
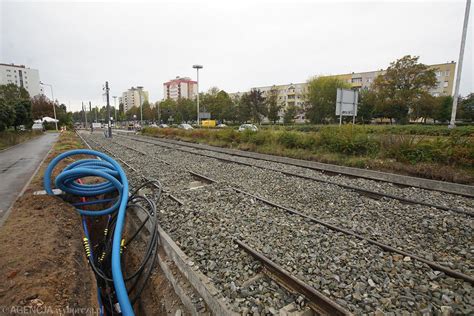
{"x": 21, "y": 76}
{"x": 133, "y": 97}
{"x": 293, "y": 94}
{"x": 180, "y": 87}
{"x": 444, "y": 75}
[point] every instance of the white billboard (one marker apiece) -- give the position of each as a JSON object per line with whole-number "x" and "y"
{"x": 347, "y": 101}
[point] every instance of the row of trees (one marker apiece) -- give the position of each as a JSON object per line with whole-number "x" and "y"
{"x": 401, "y": 94}
{"x": 17, "y": 108}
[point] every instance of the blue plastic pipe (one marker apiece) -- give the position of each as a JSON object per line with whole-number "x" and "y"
{"x": 116, "y": 180}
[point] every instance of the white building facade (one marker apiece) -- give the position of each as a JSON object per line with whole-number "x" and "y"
{"x": 21, "y": 76}
{"x": 181, "y": 87}
{"x": 133, "y": 97}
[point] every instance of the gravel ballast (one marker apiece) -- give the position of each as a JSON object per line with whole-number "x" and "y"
{"x": 359, "y": 276}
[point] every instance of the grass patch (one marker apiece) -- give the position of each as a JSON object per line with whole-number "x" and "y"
{"x": 448, "y": 158}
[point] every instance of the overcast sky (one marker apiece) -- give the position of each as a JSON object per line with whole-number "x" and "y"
{"x": 242, "y": 44}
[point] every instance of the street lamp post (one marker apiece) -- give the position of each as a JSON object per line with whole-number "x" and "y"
{"x": 54, "y": 103}
{"x": 452, "y": 122}
{"x": 197, "y": 67}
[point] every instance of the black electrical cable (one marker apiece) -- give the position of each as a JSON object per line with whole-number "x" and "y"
{"x": 138, "y": 203}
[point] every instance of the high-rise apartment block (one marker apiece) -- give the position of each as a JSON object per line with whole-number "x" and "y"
{"x": 21, "y": 76}
{"x": 180, "y": 87}
{"x": 133, "y": 97}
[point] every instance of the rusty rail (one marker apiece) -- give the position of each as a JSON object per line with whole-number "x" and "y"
{"x": 317, "y": 301}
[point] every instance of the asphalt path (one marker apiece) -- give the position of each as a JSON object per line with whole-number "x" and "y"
{"x": 17, "y": 165}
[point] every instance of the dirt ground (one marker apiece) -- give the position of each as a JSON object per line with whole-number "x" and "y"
{"x": 43, "y": 268}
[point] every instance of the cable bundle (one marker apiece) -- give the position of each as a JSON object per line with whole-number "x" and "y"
{"x": 104, "y": 251}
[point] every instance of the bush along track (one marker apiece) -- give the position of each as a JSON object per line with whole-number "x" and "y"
{"x": 447, "y": 157}
{"x": 103, "y": 204}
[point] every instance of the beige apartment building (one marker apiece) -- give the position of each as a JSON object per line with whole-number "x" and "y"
{"x": 294, "y": 93}
{"x": 133, "y": 97}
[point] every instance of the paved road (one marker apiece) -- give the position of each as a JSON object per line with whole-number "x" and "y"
{"x": 17, "y": 165}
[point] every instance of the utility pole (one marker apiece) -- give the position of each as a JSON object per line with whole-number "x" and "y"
{"x": 109, "y": 127}
{"x": 90, "y": 111}
{"x": 115, "y": 107}
{"x": 159, "y": 114}
{"x": 452, "y": 123}
{"x": 85, "y": 113}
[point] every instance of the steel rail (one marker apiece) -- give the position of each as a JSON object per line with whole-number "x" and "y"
{"x": 166, "y": 192}
{"x": 367, "y": 192}
{"x": 432, "y": 264}
{"x": 316, "y": 300}
{"x": 275, "y": 160}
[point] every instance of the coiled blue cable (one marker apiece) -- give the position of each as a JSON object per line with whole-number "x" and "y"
{"x": 116, "y": 180}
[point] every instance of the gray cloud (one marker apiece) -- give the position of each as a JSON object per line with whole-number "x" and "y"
{"x": 78, "y": 46}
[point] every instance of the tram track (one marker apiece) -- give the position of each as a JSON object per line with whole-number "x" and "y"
{"x": 433, "y": 265}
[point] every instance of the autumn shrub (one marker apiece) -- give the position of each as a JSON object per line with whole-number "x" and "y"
{"x": 348, "y": 139}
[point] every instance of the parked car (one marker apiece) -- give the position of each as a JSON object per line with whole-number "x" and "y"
{"x": 221, "y": 126}
{"x": 164, "y": 126}
{"x": 248, "y": 127}
{"x": 37, "y": 127}
{"x": 153, "y": 125}
{"x": 185, "y": 126}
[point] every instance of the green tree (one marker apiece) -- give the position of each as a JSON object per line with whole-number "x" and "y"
{"x": 242, "y": 109}
{"x": 404, "y": 83}
{"x": 7, "y": 115}
{"x": 64, "y": 117}
{"x": 366, "y": 106}
{"x": 186, "y": 110}
{"x": 290, "y": 113}
{"x": 14, "y": 106}
{"x": 273, "y": 105}
{"x": 442, "y": 111}
{"x": 254, "y": 106}
{"x": 133, "y": 113}
{"x": 424, "y": 107}
{"x": 321, "y": 98}
{"x": 149, "y": 113}
{"x": 466, "y": 108}
{"x": 23, "y": 113}
{"x": 167, "y": 110}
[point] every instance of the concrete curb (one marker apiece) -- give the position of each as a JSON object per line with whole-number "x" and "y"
{"x": 201, "y": 283}
{"x": 447, "y": 187}
{"x": 178, "y": 289}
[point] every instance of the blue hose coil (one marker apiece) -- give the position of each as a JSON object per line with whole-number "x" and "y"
{"x": 110, "y": 170}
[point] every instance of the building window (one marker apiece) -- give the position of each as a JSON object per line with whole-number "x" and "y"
{"x": 447, "y": 73}
{"x": 445, "y": 84}
{"x": 438, "y": 73}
